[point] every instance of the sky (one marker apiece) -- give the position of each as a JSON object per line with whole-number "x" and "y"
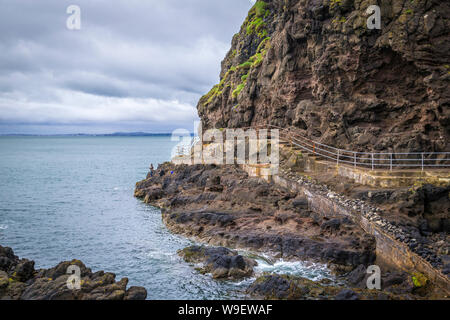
{"x": 134, "y": 65}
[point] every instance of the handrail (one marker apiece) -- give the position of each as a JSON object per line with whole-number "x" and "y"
{"x": 372, "y": 160}
{"x": 185, "y": 150}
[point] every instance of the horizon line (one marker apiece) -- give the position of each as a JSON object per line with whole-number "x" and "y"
{"x": 124, "y": 134}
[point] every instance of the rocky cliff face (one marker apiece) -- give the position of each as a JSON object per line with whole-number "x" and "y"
{"x": 315, "y": 65}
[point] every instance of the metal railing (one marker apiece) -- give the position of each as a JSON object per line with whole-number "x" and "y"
{"x": 366, "y": 160}
{"x": 186, "y": 149}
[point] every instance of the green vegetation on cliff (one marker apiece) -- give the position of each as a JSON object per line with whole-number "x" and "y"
{"x": 255, "y": 22}
{"x": 238, "y": 73}
{"x": 253, "y": 62}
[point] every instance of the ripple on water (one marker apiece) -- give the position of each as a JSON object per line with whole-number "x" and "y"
{"x": 78, "y": 203}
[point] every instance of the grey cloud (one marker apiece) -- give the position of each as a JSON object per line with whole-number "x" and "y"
{"x": 131, "y": 61}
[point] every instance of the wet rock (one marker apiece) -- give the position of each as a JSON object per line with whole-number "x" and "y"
{"x": 219, "y": 261}
{"x": 19, "y": 280}
{"x": 281, "y": 287}
{"x": 347, "y": 294}
{"x": 136, "y": 293}
{"x": 287, "y": 287}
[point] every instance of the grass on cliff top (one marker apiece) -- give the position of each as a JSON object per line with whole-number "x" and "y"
{"x": 255, "y": 20}
{"x": 254, "y": 23}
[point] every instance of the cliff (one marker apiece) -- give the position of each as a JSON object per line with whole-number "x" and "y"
{"x": 315, "y": 65}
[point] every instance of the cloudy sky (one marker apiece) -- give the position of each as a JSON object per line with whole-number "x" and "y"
{"x": 135, "y": 65}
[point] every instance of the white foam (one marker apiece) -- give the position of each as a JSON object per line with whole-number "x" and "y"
{"x": 309, "y": 270}
{"x": 3, "y": 226}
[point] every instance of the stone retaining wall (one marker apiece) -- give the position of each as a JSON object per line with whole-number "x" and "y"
{"x": 388, "y": 250}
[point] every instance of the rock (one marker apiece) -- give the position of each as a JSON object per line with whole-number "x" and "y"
{"x": 331, "y": 225}
{"x": 393, "y": 279}
{"x": 347, "y": 102}
{"x": 24, "y": 270}
{"x": 280, "y": 287}
{"x": 219, "y": 261}
{"x": 251, "y": 213}
{"x": 347, "y": 294}
{"x": 136, "y": 293}
{"x": 287, "y": 287}
{"x": 358, "y": 276}
{"x": 446, "y": 269}
{"x": 295, "y": 162}
{"x": 19, "y": 281}
{"x": 300, "y": 203}
{"x": 342, "y": 102}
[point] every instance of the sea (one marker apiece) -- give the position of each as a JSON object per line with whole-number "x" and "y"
{"x": 71, "y": 197}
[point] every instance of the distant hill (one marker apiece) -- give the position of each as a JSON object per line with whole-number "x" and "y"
{"x": 116, "y": 134}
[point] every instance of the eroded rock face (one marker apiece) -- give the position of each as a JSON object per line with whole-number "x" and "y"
{"x": 20, "y": 281}
{"x": 395, "y": 285}
{"x": 286, "y": 287}
{"x": 223, "y": 206}
{"x": 315, "y": 65}
{"x": 219, "y": 261}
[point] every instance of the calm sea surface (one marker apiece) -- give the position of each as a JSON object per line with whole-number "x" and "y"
{"x": 63, "y": 198}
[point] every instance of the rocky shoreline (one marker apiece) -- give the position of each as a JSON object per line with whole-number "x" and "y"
{"x": 223, "y": 263}
{"x": 417, "y": 242}
{"x": 223, "y": 206}
{"x": 20, "y": 281}
{"x": 417, "y": 216}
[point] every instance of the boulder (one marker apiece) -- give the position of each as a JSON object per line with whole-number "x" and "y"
{"x": 219, "y": 261}
{"x": 20, "y": 281}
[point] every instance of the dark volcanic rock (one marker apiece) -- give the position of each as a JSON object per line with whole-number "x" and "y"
{"x": 19, "y": 281}
{"x": 246, "y": 212}
{"x": 285, "y": 287}
{"x": 347, "y": 294}
{"x": 316, "y": 66}
{"x": 220, "y": 262}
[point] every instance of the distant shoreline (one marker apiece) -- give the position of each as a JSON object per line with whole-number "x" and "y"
{"x": 117, "y": 134}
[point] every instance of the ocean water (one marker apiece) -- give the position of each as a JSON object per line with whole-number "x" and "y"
{"x": 64, "y": 198}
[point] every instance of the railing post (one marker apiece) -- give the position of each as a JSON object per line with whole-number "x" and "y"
{"x": 422, "y": 162}
{"x": 338, "y": 158}
{"x": 391, "y": 162}
{"x": 355, "y": 160}
{"x": 372, "y": 162}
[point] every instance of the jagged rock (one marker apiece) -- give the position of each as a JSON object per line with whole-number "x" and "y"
{"x": 300, "y": 203}
{"x": 219, "y": 261}
{"x": 20, "y": 281}
{"x": 136, "y": 293}
{"x": 347, "y": 294}
{"x": 287, "y": 287}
